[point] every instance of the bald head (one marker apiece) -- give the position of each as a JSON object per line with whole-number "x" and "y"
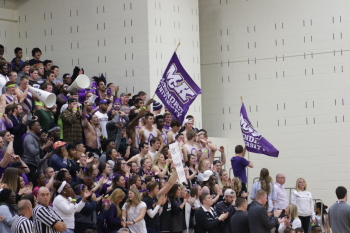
{"x": 280, "y": 178}
{"x": 25, "y": 208}
{"x": 44, "y": 196}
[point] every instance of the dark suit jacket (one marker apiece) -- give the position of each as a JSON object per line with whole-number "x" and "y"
{"x": 239, "y": 222}
{"x": 206, "y": 222}
{"x": 259, "y": 221}
{"x": 17, "y": 130}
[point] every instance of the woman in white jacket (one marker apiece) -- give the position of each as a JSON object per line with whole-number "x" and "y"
{"x": 303, "y": 200}
{"x": 292, "y": 220}
{"x": 65, "y": 203}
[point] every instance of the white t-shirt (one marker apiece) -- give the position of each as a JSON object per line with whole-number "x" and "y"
{"x": 132, "y": 214}
{"x": 103, "y": 119}
{"x": 3, "y": 81}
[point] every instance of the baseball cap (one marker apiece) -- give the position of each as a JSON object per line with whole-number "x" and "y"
{"x": 58, "y": 144}
{"x": 157, "y": 106}
{"x": 228, "y": 192}
{"x": 104, "y": 101}
{"x": 72, "y": 100}
{"x": 18, "y": 165}
{"x": 207, "y": 175}
{"x": 124, "y": 94}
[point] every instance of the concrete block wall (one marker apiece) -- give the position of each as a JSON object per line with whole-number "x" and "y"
{"x": 171, "y": 22}
{"x": 289, "y": 61}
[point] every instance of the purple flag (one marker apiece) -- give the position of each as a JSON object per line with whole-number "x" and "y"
{"x": 254, "y": 141}
{"x": 176, "y": 89}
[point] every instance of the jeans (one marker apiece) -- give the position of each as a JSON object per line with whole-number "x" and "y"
{"x": 68, "y": 231}
{"x": 152, "y": 230}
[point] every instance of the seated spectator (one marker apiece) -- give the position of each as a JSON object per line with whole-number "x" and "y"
{"x": 114, "y": 219}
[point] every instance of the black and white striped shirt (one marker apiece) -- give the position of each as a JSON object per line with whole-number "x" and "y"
{"x": 22, "y": 225}
{"x": 44, "y": 218}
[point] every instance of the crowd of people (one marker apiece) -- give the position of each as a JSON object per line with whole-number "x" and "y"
{"x": 99, "y": 161}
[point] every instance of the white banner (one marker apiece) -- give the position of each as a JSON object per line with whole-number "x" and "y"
{"x": 177, "y": 160}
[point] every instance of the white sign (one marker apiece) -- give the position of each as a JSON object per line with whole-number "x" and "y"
{"x": 177, "y": 160}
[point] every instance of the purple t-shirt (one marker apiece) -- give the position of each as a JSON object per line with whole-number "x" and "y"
{"x": 238, "y": 165}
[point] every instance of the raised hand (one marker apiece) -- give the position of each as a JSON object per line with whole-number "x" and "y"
{"x": 222, "y": 149}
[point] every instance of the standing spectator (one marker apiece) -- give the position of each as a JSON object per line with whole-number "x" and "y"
{"x": 25, "y": 67}
{"x": 339, "y": 212}
{"x": 7, "y": 210}
{"x": 45, "y": 117}
{"x": 134, "y": 211}
{"x": 72, "y": 130}
{"x": 322, "y": 217}
{"x": 18, "y": 128}
{"x": 281, "y": 195}
{"x": 207, "y": 221}
{"x": 259, "y": 221}
{"x": 56, "y": 71}
{"x": 303, "y": 200}
{"x": 32, "y": 149}
{"x": 264, "y": 183}
{"x": 239, "y": 163}
{"x": 292, "y": 220}
{"x": 178, "y": 223}
{"x": 114, "y": 219}
{"x": 36, "y": 54}
{"x": 65, "y": 203}
{"x": 23, "y": 224}
{"x": 239, "y": 221}
{"x": 102, "y": 115}
{"x": 3, "y": 76}
{"x": 25, "y": 97}
{"x": 227, "y": 206}
{"x": 9, "y": 96}
{"x": 45, "y": 218}
{"x": 5, "y": 122}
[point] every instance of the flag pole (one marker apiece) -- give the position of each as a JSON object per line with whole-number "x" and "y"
{"x": 248, "y": 151}
{"x": 177, "y": 46}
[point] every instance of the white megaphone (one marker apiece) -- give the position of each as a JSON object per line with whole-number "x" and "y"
{"x": 81, "y": 82}
{"x": 49, "y": 99}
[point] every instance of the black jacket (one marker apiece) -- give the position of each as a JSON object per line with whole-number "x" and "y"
{"x": 239, "y": 222}
{"x": 259, "y": 221}
{"x": 206, "y": 222}
{"x": 17, "y": 130}
{"x": 223, "y": 207}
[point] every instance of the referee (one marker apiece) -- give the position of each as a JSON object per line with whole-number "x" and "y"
{"x": 22, "y": 224}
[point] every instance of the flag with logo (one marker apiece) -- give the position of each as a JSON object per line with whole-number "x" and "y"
{"x": 253, "y": 140}
{"x": 176, "y": 89}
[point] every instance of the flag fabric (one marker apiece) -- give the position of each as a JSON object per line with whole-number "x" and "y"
{"x": 253, "y": 140}
{"x": 176, "y": 89}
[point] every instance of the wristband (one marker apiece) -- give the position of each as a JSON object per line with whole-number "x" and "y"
{"x": 74, "y": 200}
{"x": 166, "y": 167}
{"x": 144, "y": 107}
{"x": 133, "y": 221}
{"x": 180, "y": 148}
{"x": 1, "y": 114}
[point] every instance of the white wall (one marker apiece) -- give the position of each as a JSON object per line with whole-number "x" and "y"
{"x": 299, "y": 103}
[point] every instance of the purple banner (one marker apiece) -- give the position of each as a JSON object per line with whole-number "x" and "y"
{"x": 176, "y": 89}
{"x": 254, "y": 141}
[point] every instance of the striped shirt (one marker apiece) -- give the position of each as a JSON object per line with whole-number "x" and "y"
{"x": 44, "y": 218}
{"x": 27, "y": 104}
{"x": 22, "y": 225}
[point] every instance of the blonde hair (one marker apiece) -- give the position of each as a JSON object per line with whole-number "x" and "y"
{"x": 297, "y": 184}
{"x": 237, "y": 185}
{"x": 155, "y": 161}
{"x": 293, "y": 211}
{"x": 203, "y": 167}
{"x": 116, "y": 195}
{"x": 137, "y": 198}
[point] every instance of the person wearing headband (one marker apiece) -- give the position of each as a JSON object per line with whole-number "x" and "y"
{"x": 65, "y": 203}
{"x": 9, "y": 96}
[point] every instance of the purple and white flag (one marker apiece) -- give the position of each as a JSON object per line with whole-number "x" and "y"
{"x": 176, "y": 89}
{"x": 253, "y": 140}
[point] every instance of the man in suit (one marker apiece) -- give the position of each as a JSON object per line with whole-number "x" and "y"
{"x": 259, "y": 221}
{"x": 239, "y": 221}
{"x": 206, "y": 218}
{"x": 19, "y": 127}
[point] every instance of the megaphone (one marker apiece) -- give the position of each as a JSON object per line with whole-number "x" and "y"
{"x": 81, "y": 82}
{"x": 49, "y": 99}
